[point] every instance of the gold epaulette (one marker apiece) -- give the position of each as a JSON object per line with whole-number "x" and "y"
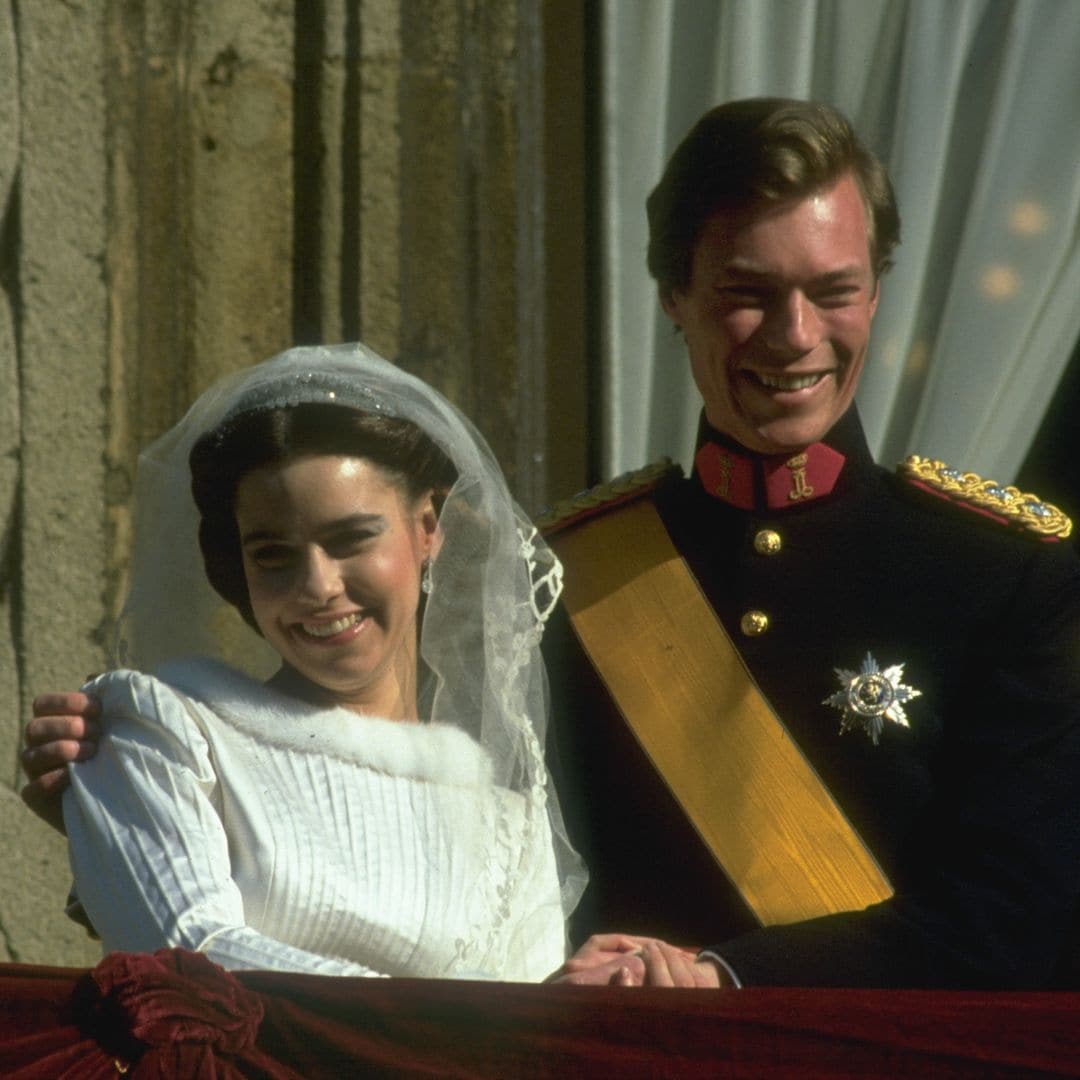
{"x": 1006, "y": 503}
{"x": 623, "y": 489}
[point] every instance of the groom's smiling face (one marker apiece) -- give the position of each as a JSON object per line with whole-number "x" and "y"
{"x": 777, "y": 316}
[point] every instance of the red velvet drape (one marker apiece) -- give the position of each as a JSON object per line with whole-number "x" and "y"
{"x": 175, "y": 1014}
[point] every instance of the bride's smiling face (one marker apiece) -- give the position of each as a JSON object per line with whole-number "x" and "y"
{"x": 333, "y": 552}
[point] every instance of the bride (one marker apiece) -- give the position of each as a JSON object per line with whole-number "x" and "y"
{"x": 379, "y": 804}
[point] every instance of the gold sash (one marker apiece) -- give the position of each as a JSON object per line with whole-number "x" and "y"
{"x": 684, "y": 691}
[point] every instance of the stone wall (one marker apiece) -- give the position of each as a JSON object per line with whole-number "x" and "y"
{"x": 188, "y": 186}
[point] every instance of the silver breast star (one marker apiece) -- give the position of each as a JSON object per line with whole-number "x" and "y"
{"x": 870, "y": 696}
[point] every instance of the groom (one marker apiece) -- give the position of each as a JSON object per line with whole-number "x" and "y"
{"x": 914, "y": 635}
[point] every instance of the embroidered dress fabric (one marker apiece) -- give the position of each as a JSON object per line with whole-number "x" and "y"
{"x": 354, "y": 846}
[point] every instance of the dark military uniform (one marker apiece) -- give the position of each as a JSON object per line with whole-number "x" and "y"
{"x": 973, "y": 811}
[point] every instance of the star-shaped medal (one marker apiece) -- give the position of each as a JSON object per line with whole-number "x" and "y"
{"x": 870, "y": 696}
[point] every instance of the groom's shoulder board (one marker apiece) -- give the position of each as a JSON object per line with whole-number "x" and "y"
{"x": 630, "y": 486}
{"x": 1003, "y": 503}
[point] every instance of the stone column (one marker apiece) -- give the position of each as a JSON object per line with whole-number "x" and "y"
{"x": 200, "y": 216}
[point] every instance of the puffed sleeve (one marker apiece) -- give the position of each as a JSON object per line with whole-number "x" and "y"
{"x": 148, "y": 849}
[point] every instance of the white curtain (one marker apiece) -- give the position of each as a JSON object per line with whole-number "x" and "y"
{"x": 974, "y": 105}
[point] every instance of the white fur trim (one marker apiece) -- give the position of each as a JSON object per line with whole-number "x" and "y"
{"x": 436, "y": 752}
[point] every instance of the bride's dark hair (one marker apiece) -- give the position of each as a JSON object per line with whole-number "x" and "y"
{"x": 251, "y": 440}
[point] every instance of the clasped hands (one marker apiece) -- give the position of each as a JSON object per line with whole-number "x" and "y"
{"x": 629, "y": 960}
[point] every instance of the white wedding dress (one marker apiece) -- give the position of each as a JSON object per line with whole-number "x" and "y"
{"x": 223, "y": 817}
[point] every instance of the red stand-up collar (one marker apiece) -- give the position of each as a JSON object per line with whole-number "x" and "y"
{"x": 750, "y": 481}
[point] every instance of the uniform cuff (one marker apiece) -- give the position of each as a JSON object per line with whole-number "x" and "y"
{"x": 716, "y": 958}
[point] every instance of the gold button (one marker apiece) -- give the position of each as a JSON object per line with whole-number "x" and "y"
{"x": 754, "y": 623}
{"x": 767, "y": 542}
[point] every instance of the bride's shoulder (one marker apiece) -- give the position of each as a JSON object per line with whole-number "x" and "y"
{"x": 125, "y": 690}
{"x": 173, "y": 697}
{"x": 188, "y": 677}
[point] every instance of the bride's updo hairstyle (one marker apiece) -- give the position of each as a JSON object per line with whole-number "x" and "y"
{"x": 252, "y": 440}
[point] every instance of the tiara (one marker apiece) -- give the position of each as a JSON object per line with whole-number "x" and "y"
{"x": 308, "y": 388}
